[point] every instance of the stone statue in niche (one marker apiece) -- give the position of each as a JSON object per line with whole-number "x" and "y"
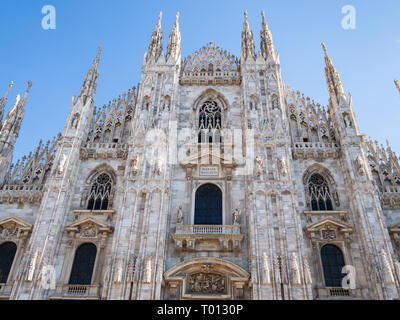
{"x": 347, "y": 120}
{"x": 259, "y": 166}
{"x": 61, "y": 164}
{"x": 179, "y": 219}
{"x": 283, "y": 167}
{"x": 236, "y": 217}
{"x": 134, "y": 169}
{"x": 360, "y": 165}
{"x": 267, "y": 277}
{"x": 74, "y": 122}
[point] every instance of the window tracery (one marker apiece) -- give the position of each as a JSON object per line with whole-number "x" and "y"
{"x": 210, "y": 119}
{"x": 319, "y": 193}
{"x": 100, "y": 196}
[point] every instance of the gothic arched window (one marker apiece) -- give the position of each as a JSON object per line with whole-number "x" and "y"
{"x": 210, "y": 119}
{"x": 100, "y": 193}
{"x": 319, "y": 193}
{"x": 7, "y": 255}
{"x": 82, "y": 268}
{"x": 333, "y": 263}
{"x": 208, "y": 205}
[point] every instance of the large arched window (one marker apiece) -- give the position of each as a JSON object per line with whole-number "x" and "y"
{"x": 210, "y": 121}
{"x": 100, "y": 192}
{"x": 319, "y": 193}
{"x": 208, "y": 205}
{"x": 7, "y": 255}
{"x": 82, "y": 269}
{"x": 333, "y": 263}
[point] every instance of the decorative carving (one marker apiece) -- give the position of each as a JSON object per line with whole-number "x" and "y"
{"x": 328, "y": 234}
{"x": 210, "y": 64}
{"x": 9, "y": 231}
{"x": 88, "y": 231}
{"x": 207, "y": 283}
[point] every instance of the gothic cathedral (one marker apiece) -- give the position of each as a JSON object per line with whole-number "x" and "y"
{"x": 210, "y": 180}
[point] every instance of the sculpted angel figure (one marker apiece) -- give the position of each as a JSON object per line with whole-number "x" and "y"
{"x": 179, "y": 219}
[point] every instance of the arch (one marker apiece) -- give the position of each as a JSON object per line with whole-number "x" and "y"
{"x": 208, "y": 205}
{"x": 230, "y": 267}
{"x": 83, "y": 265}
{"x": 102, "y": 168}
{"x": 332, "y": 263}
{"x": 7, "y": 255}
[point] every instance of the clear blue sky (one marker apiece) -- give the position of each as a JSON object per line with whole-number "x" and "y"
{"x": 57, "y": 60}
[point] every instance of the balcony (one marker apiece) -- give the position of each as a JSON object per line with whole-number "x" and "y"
{"x": 390, "y": 197}
{"x": 208, "y": 237}
{"x": 329, "y": 293}
{"x": 5, "y": 291}
{"x": 77, "y": 292}
{"x": 21, "y": 193}
{"x": 315, "y": 150}
{"x": 97, "y": 150}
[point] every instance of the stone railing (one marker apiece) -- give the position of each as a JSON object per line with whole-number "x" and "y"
{"x": 315, "y": 150}
{"x": 390, "y": 196}
{"x": 108, "y": 150}
{"x": 330, "y": 293}
{"x": 21, "y": 193}
{"x": 208, "y": 237}
{"x": 5, "y": 290}
{"x": 72, "y": 291}
{"x": 207, "y": 229}
{"x": 210, "y": 78}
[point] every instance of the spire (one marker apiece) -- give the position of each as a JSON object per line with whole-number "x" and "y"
{"x": 248, "y": 48}
{"x": 89, "y": 86}
{"x": 334, "y": 83}
{"x": 397, "y": 85}
{"x": 174, "y": 43}
{"x": 155, "y": 47}
{"x": 13, "y": 121}
{"x": 267, "y": 45}
{"x": 3, "y": 101}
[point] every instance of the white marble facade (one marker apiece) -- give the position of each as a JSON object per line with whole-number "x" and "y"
{"x": 294, "y": 177}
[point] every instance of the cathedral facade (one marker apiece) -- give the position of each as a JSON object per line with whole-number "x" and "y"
{"x": 210, "y": 180}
